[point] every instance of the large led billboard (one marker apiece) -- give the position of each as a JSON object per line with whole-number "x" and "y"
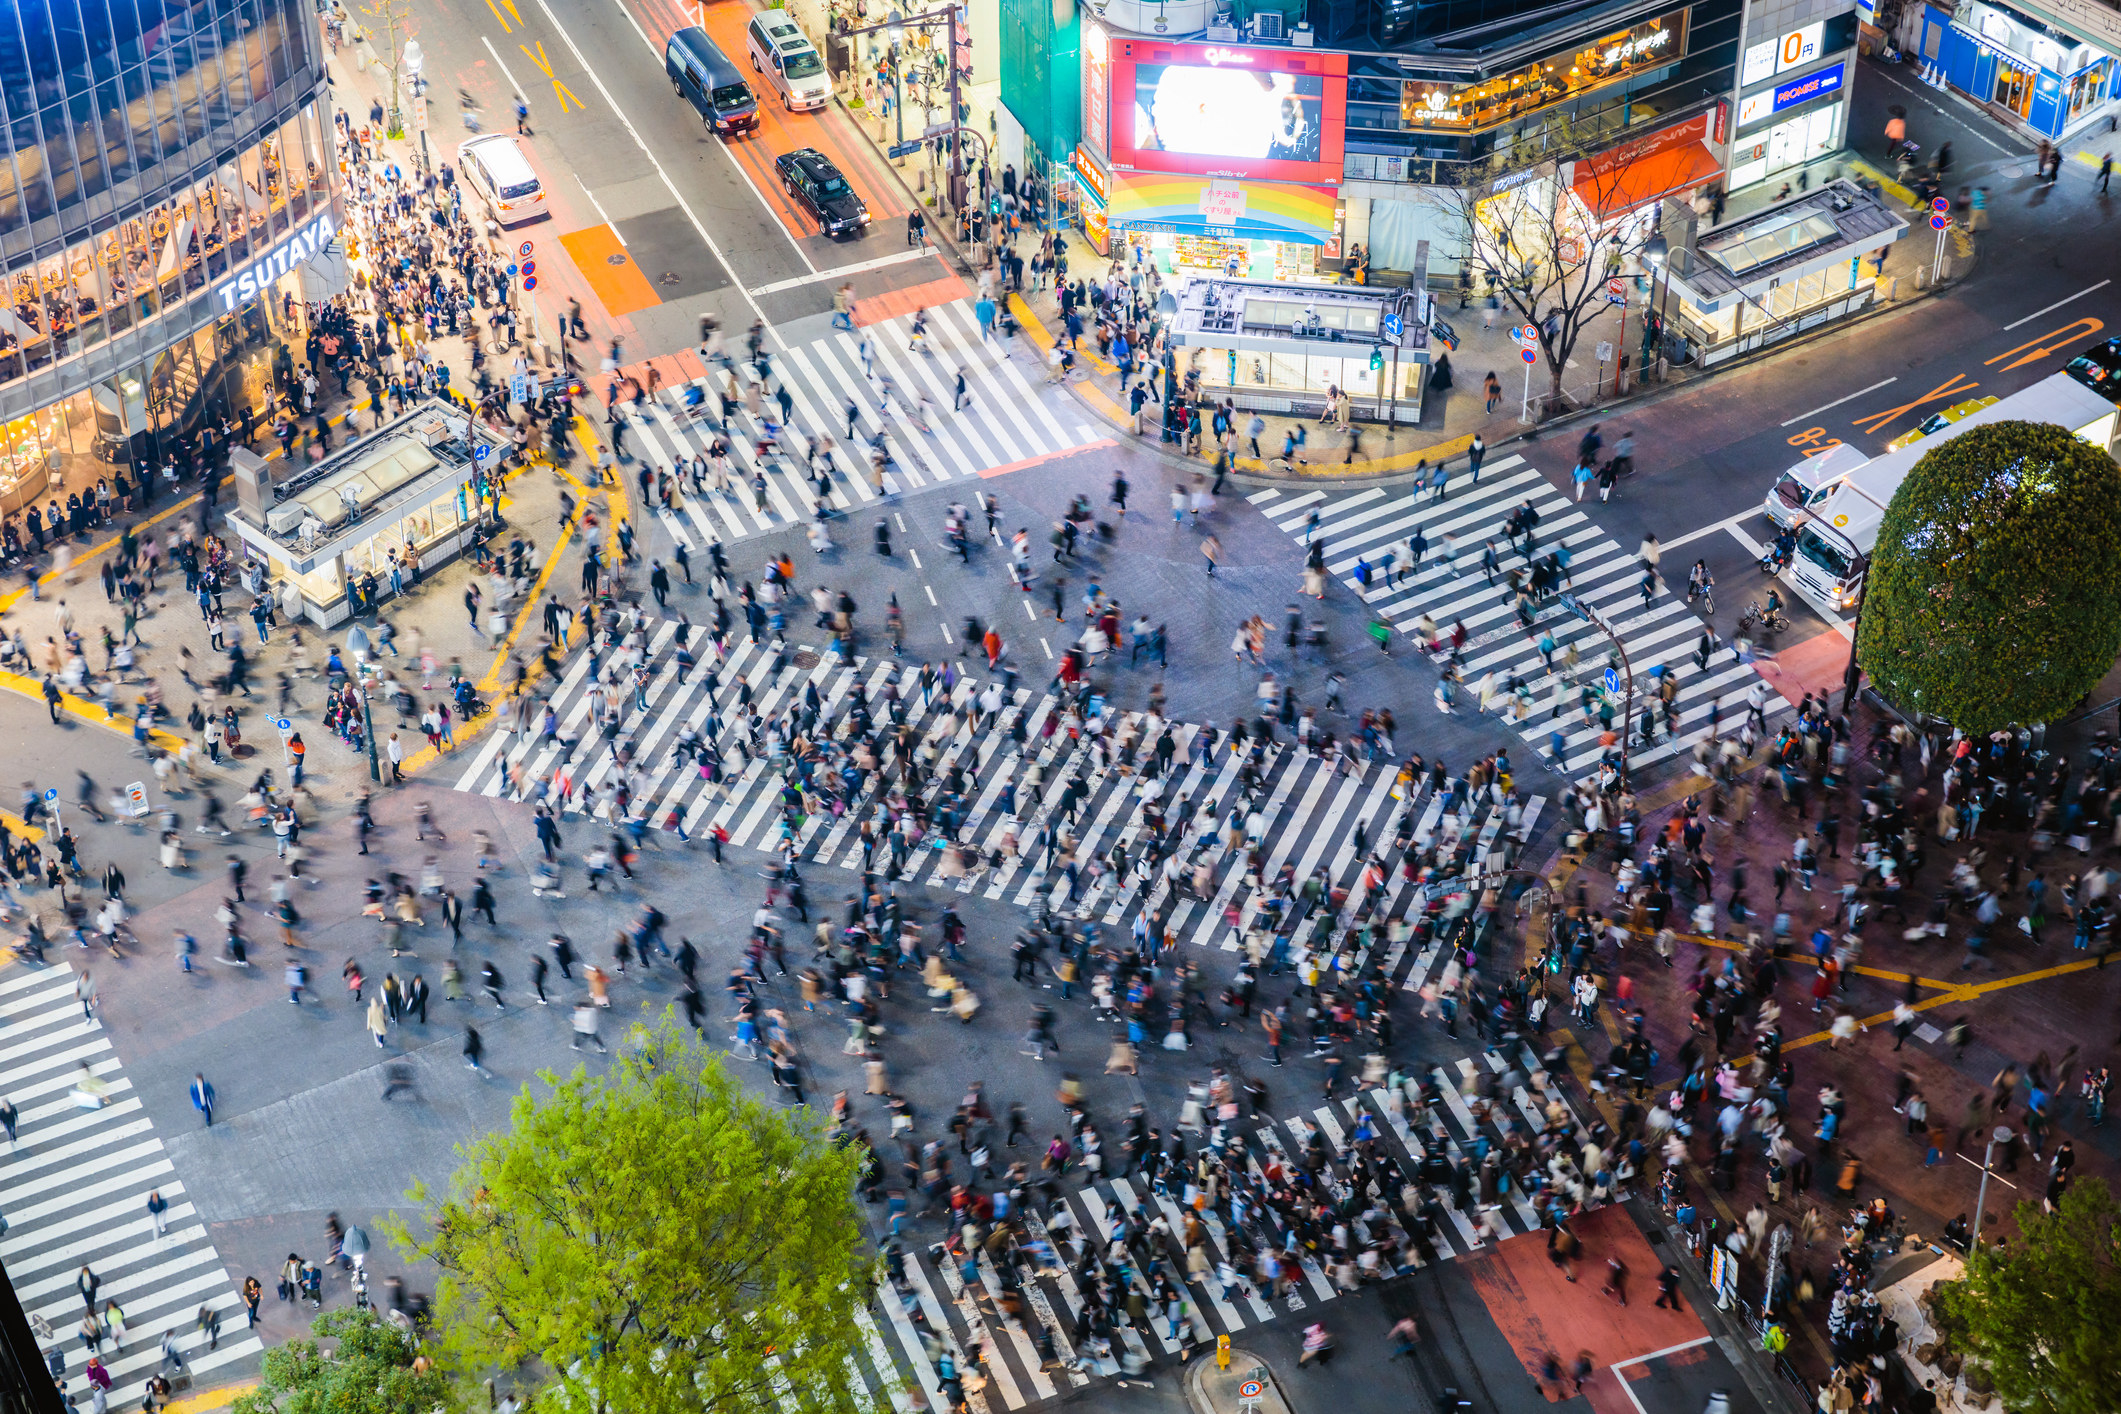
{"x": 1209, "y": 110}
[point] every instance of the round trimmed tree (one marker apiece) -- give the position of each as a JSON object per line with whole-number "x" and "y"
{"x": 1995, "y": 586}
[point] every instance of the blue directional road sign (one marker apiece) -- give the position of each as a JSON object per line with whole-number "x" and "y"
{"x": 1391, "y": 325}
{"x": 1612, "y": 680}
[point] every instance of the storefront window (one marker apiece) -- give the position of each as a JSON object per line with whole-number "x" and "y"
{"x": 2089, "y": 87}
{"x": 65, "y": 304}
{"x": 1649, "y": 45}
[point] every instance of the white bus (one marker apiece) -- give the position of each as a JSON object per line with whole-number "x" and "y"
{"x": 1837, "y": 519}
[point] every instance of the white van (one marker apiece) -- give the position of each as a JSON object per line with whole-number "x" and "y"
{"x": 1790, "y": 501}
{"x": 495, "y": 168}
{"x": 788, "y": 61}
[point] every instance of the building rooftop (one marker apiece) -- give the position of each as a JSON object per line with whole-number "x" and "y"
{"x": 1789, "y": 239}
{"x": 373, "y": 480}
{"x": 1347, "y": 319}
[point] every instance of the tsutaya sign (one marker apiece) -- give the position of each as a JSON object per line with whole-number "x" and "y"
{"x": 257, "y": 277}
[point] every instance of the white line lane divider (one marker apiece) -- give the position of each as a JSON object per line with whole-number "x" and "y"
{"x": 649, "y": 152}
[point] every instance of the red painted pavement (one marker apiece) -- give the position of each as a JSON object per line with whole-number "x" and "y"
{"x": 1538, "y": 1310}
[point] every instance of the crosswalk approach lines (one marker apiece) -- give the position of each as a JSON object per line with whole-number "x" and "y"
{"x": 966, "y": 1317}
{"x": 1311, "y": 812}
{"x": 1363, "y": 526}
{"x": 1006, "y": 421}
{"x": 74, "y": 1190}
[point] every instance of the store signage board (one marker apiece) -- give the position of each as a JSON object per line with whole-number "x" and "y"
{"x": 258, "y": 276}
{"x": 1097, "y": 88}
{"x": 1223, "y": 202}
{"x": 1809, "y": 87}
{"x": 1759, "y": 65}
{"x": 1799, "y": 46}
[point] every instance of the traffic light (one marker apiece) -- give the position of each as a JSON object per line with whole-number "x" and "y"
{"x": 1377, "y": 359}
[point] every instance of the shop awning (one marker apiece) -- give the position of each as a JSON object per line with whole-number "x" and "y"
{"x": 1222, "y": 206}
{"x": 1637, "y": 173}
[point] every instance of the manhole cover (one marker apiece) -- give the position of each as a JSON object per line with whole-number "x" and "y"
{"x": 616, "y": 258}
{"x": 805, "y": 658}
{"x": 2014, "y": 172}
{"x": 668, "y": 277}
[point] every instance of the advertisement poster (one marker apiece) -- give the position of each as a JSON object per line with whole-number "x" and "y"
{"x": 1097, "y": 89}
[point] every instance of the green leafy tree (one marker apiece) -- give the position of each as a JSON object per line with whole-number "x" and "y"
{"x": 653, "y": 1239}
{"x": 1995, "y": 587}
{"x": 370, "y": 1371}
{"x": 2038, "y": 1316}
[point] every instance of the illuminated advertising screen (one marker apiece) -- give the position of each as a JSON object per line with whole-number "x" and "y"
{"x": 1209, "y": 110}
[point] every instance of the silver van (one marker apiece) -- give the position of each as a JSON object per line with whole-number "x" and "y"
{"x": 788, "y": 61}
{"x": 494, "y": 166}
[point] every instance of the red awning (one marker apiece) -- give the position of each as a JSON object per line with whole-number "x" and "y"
{"x": 1642, "y": 169}
{"x": 1611, "y": 193}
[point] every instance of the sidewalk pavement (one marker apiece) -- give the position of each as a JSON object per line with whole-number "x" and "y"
{"x": 2056, "y": 1009}
{"x": 169, "y": 626}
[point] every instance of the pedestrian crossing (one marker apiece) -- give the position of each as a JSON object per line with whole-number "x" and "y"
{"x": 74, "y": 1193}
{"x": 1309, "y": 813}
{"x": 1005, "y": 420}
{"x": 1361, "y": 527}
{"x": 1019, "y": 1329}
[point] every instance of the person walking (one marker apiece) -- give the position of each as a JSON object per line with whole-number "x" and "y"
{"x": 202, "y": 1098}
{"x": 585, "y": 1027}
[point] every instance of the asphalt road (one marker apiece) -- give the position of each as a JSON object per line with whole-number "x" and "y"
{"x": 704, "y": 217}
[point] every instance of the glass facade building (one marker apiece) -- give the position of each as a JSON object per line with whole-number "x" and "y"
{"x": 161, "y": 155}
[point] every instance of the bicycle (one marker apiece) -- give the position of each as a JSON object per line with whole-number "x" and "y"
{"x": 1768, "y": 620}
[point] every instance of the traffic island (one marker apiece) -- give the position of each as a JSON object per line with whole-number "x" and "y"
{"x": 1244, "y": 1386}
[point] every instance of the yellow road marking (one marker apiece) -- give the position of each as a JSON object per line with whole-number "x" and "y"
{"x": 560, "y": 90}
{"x": 472, "y": 731}
{"x": 219, "y": 1398}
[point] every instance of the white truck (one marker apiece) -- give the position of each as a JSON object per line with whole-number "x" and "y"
{"x": 1836, "y": 500}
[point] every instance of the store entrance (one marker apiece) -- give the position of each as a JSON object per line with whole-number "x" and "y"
{"x": 2014, "y": 89}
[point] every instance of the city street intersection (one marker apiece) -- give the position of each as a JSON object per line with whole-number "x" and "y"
{"x": 304, "y": 1128}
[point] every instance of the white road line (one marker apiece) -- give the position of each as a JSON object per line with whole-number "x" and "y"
{"x": 653, "y": 161}
{"x": 816, "y": 275}
{"x": 1802, "y": 416}
{"x": 2057, "y": 305}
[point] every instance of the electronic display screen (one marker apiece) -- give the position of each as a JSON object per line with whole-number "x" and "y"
{"x": 1212, "y": 111}
{"x": 1197, "y": 111}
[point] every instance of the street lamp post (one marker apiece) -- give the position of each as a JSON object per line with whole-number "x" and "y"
{"x": 414, "y": 60}
{"x": 1657, "y": 251}
{"x": 2001, "y": 1134}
